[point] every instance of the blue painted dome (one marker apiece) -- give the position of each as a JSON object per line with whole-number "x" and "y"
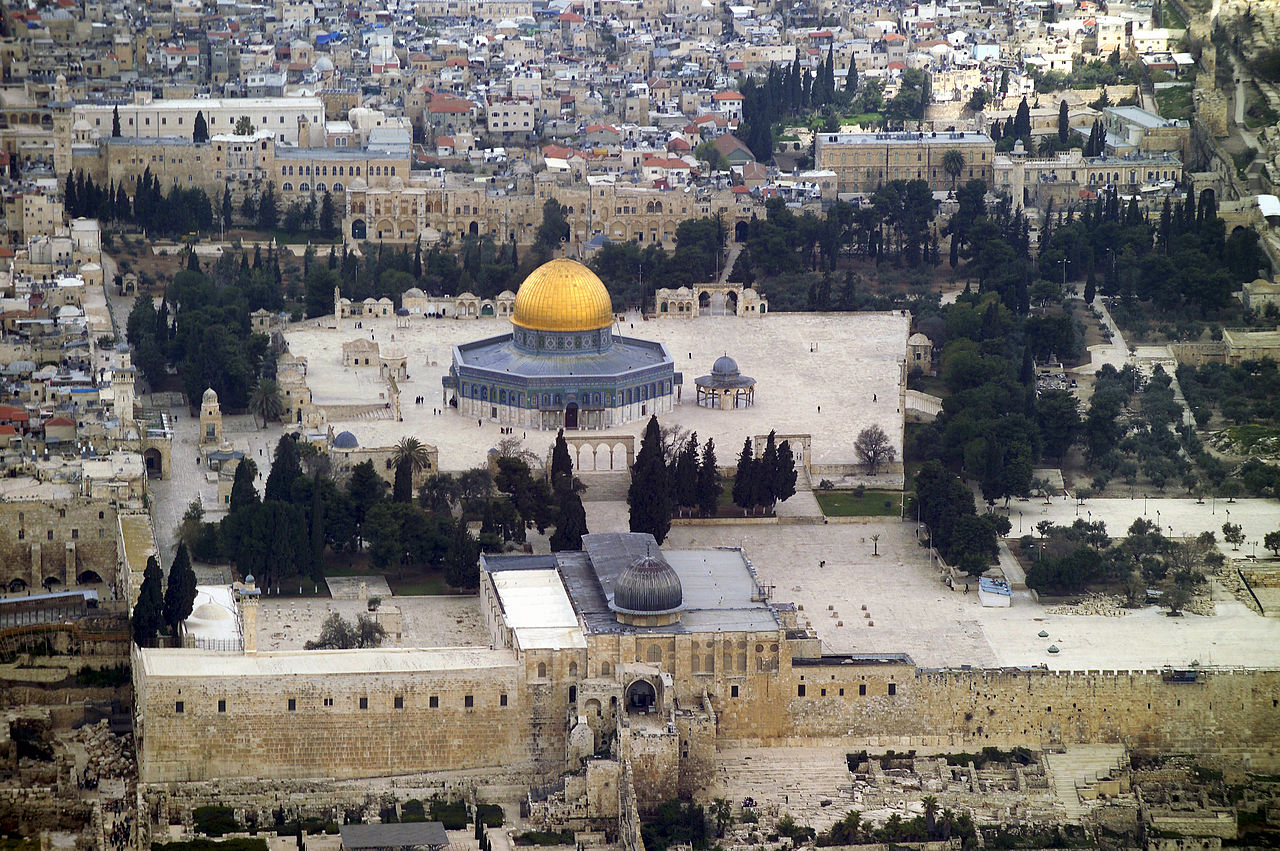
{"x": 346, "y": 440}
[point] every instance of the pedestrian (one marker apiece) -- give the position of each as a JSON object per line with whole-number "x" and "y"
{"x": 873, "y": 398}
{"x": 819, "y": 409}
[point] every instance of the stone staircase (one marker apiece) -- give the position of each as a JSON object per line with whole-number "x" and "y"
{"x": 605, "y": 487}
{"x": 1078, "y": 768}
{"x": 794, "y": 780}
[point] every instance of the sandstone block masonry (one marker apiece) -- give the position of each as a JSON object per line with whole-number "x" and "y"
{"x": 328, "y": 714}
{"x": 58, "y": 544}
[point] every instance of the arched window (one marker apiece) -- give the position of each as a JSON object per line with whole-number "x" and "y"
{"x": 573, "y": 669}
{"x": 304, "y": 187}
{"x": 695, "y": 664}
{"x": 655, "y": 653}
{"x": 286, "y": 186}
{"x": 337, "y": 187}
{"x": 542, "y": 670}
{"x": 320, "y": 187}
{"x": 605, "y": 669}
{"x": 573, "y": 694}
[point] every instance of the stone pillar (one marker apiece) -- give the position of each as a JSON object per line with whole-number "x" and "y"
{"x": 249, "y": 612}
{"x": 35, "y": 567}
{"x": 69, "y": 566}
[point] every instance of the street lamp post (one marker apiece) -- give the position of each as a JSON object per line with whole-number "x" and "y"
{"x": 1144, "y": 505}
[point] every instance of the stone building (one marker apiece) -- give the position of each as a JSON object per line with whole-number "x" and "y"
{"x": 562, "y": 366}
{"x": 655, "y": 658}
{"x": 1068, "y": 177}
{"x": 55, "y": 544}
{"x": 864, "y": 161}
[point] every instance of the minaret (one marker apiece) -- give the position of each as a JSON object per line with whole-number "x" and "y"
{"x": 210, "y": 419}
{"x": 61, "y": 107}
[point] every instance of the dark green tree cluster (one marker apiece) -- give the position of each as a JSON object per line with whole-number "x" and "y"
{"x": 180, "y": 210}
{"x": 990, "y": 421}
{"x": 208, "y": 337}
{"x": 632, "y": 271}
{"x": 931, "y": 826}
{"x": 1182, "y": 265}
{"x": 761, "y": 483}
{"x": 1245, "y": 393}
{"x": 785, "y": 94}
{"x": 269, "y": 537}
{"x": 694, "y": 479}
{"x": 965, "y": 538}
{"x": 148, "y": 613}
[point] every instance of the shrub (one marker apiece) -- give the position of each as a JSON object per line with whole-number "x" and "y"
{"x": 544, "y": 837}
{"x": 490, "y": 815}
{"x": 452, "y": 814}
{"x": 215, "y": 820}
{"x": 113, "y": 676}
{"x": 237, "y": 844}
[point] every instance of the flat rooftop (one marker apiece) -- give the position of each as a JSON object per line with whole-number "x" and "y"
{"x": 288, "y": 624}
{"x": 536, "y": 607}
{"x": 825, "y": 374}
{"x": 201, "y": 663}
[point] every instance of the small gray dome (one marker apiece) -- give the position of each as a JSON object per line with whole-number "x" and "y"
{"x": 346, "y": 440}
{"x": 725, "y": 367}
{"x": 648, "y": 587}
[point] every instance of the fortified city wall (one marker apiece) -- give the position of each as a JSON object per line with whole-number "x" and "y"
{"x": 1232, "y": 715}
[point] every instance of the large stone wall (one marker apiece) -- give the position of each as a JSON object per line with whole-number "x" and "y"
{"x": 1230, "y": 714}
{"x": 386, "y": 721}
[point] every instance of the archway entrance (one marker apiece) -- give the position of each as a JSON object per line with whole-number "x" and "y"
{"x": 571, "y": 415}
{"x": 89, "y": 577}
{"x": 17, "y": 585}
{"x": 704, "y": 301}
{"x": 740, "y": 232}
{"x": 641, "y": 697}
{"x": 359, "y": 230}
{"x": 486, "y": 310}
{"x": 154, "y": 462}
{"x": 473, "y": 229}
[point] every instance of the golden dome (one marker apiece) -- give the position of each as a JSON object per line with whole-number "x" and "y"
{"x": 562, "y": 295}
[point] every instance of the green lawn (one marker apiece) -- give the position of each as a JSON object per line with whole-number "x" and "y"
{"x": 872, "y": 503}
{"x": 421, "y": 585}
{"x": 1174, "y": 102}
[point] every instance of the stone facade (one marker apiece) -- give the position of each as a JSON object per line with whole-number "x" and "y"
{"x": 865, "y": 161}
{"x": 58, "y": 544}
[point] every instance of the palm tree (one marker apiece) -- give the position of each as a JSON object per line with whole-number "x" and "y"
{"x": 953, "y": 164}
{"x": 266, "y": 402}
{"x": 409, "y": 457}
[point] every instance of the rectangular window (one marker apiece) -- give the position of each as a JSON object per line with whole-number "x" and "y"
{"x": 179, "y": 707}
{"x": 800, "y": 690}
{"x": 293, "y": 704}
{"x": 862, "y": 690}
{"x": 502, "y": 700}
{"x": 468, "y": 701}
{"x": 222, "y": 706}
{"x": 433, "y": 702}
{"x": 399, "y": 702}
{"x": 364, "y": 703}
{"x": 893, "y": 689}
{"x": 733, "y": 691}
{"x": 75, "y": 533}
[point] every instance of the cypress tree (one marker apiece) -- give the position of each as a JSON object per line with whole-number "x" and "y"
{"x": 1090, "y": 287}
{"x": 650, "y": 495}
{"x": 243, "y": 493}
{"x": 766, "y": 471}
{"x": 571, "y": 525}
{"x": 70, "y": 198}
{"x": 561, "y": 465}
{"x": 180, "y": 594}
{"x": 200, "y": 133}
{"x": 1064, "y": 123}
{"x": 148, "y": 614}
{"x": 784, "y": 476}
{"x": 460, "y": 560}
{"x": 744, "y": 476}
{"x": 686, "y": 475}
{"x": 317, "y": 530}
{"x": 1022, "y": 120}
{"x": 851, "y": 78}
{"x": 115, "y": 122}
{"x": 708, "y": 489}
{"x": 286, "y": 468}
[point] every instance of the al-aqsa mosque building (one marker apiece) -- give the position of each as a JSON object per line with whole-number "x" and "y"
{"x": 562, "y": 365}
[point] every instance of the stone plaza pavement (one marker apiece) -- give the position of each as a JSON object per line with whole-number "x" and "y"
{"x": 828, "y": 375}
{"x": 831, "y": 572}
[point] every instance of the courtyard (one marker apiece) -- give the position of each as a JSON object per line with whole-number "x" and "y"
{"x": 825, "y": 375}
